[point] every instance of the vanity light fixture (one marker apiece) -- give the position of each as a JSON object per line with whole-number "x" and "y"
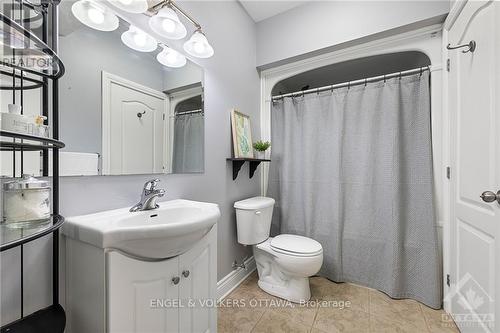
{"x": 131, "y": 6}
{"x": 167, "y": 24}
{"x": 95, "y": 15}
{"x": 165, "y": 21}
{"x": 170, "y": 57}
{"x": 138, "y": 40}
{"x": 198, "y": 45}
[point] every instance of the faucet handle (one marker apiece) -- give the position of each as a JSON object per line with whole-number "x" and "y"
{"x": 151, "y": 184}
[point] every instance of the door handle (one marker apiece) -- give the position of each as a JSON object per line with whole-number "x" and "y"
{"x": 489, "y": 196}
{"x": 175, "y": 280}
{"x": 185, "y": 273}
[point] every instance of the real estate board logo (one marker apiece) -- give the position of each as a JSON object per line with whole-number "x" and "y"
{"x": 16, "y": 49}
{"x": 472, "y": 305}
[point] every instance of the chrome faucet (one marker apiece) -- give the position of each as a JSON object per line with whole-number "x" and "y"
{"x": 149, "y": 196}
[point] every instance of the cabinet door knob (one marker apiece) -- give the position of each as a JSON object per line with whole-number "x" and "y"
{"x": 185, "y": 273}
{"x": 175, "y": 280}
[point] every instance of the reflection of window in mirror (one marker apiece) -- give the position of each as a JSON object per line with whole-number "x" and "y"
{"x": 186, "y": 139}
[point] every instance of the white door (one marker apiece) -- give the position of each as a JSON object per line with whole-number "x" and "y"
{"x": 142, "y": 295}
{"x": 474, "y": 105}
{"x": 132, "y": 127}
{"x": 198, "y": 287}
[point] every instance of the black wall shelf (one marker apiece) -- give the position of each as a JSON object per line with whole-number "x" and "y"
{"x": 238, "y": 163}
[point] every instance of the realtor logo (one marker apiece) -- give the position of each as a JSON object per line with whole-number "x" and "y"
{"x": 472, "y": 305}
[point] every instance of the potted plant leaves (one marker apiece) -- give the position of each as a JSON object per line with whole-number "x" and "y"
{"x": 261, "y": 147}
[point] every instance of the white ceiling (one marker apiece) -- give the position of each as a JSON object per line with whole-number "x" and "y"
{"x": 262, "y": 9}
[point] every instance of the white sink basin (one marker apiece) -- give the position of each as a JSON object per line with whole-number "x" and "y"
{"x": 160, "y": 233}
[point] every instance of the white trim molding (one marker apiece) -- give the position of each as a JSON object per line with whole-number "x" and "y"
{"x": 229, "y": 282}
{"x": 456, "y": 9}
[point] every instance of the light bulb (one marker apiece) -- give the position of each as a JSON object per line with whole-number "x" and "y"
{"x": 140, "y": 39}
{"x": 168, "y": 25}
{"x": 131, "y": 6}
{"x": 171, "y": 58}
{"x": 199, "y": 47}
{"x": 95, "y": 15}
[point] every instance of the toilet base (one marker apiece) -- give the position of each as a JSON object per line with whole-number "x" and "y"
{"x": 295, "y": 290}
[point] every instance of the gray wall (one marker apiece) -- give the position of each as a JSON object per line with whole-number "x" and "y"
{"x": 231, "y": 81}
{"x": 321, "y": 24}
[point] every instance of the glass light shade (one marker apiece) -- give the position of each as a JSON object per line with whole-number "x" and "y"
{"x": 171, "y": 58}
{"x": 198, "y": 46}
{"x": 131, "y": 6}
{"x": 95, "y": 15}
{"x": 167, "y": 24}
{"x": 139, "y": 40}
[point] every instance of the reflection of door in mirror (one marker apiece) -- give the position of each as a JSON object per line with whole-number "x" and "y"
{"x": 132, "y": 120}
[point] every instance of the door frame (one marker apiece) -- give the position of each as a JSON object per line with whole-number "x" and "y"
{"x": 456, "y": 10}
{"x": 106, "y": 80}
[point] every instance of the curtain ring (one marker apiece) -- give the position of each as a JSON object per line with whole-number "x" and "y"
{"x": 384, "y": 78}
{"x": 317, "y": 91}
{"x": 400, "y": 75}
{"x": 366, "y": 81}
{"x": 421, "y": 69}
{"x": 348, "y": 85}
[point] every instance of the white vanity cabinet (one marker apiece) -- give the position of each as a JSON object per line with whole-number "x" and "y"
{"x": 125, "y": 294}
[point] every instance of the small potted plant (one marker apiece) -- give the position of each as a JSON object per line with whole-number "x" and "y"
{"x": 261, "y": 147}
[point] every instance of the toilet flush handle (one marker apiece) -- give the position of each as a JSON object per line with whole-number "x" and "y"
{"x": 257, "y": 212}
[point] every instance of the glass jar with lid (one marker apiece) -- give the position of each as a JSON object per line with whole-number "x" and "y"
{"x": 26, "y": 202}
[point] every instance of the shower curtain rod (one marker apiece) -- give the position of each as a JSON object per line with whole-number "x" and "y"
{"x": 354, "y": 83}
{"x": 189, "y": 112}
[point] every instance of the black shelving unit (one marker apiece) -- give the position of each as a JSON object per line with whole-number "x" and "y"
{"x": 51, "y": 319}
{"x": 238, "y": 163}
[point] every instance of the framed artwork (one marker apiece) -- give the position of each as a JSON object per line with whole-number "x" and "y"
{"x": 242, "y": 135}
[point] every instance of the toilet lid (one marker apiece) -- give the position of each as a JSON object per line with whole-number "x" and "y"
{"x": 296, "y": 244}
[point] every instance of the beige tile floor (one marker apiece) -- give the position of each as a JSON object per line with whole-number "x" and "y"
{"x": 249, "y": 309}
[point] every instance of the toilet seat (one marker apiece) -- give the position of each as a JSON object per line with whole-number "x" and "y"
{"x": 295, "y": 245}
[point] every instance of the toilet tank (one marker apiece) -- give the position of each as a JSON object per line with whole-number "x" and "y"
{"x": 253, "y": 219}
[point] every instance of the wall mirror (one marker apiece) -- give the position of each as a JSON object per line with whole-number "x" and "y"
{"x": 122, "y": 112}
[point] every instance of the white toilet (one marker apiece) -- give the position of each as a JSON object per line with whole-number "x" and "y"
{"x": 285, "y": 262}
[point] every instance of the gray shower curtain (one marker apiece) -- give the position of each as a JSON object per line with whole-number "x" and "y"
{"x": 352, "y": 169}
{"x": 188, "y": 155}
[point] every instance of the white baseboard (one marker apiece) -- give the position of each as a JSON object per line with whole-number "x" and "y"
{"x": 229, "y": 282}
